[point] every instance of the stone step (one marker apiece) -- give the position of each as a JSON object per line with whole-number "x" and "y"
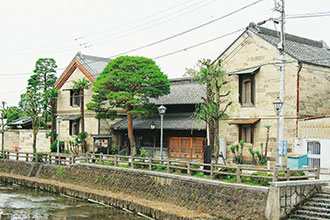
{"x": 313, "y": 214}
{"x": 322, "y": 195}
{"x": 317, "y": 204}
{"x": 318, "y": 209}
{"x": 319, "y": 200}
{"x": 326, "y": 189}
{"x": 303, "y": 217}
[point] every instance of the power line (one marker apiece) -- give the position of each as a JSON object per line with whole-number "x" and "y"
{"x": 199, "y": 44}
{"x": 129, "y": 31}
{"x": 187, "y": 31}
{"x": 109, "y": 29}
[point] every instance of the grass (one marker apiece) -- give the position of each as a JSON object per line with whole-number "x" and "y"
{"x": 229, "y": 178}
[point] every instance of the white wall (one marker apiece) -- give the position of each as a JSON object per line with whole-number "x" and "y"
{"x": 301, "y": 148}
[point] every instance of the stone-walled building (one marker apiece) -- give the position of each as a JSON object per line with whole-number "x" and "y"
{"x": 251, "y": 62}
{"x": 82, "y": 66}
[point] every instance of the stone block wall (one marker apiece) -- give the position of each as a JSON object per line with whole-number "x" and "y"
{"x": 229, "y": 201}
{"x": 22, "y": 138}
{"x": 251, "y": 51}
{"x": 15, "y": 167}
{"x": 285, "y": 196}
{"x": 314, "y": 91}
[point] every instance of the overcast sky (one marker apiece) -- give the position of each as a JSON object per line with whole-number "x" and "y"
{"x": 58, "y": 29}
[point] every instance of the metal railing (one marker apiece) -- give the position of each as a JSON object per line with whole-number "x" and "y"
{"x": 167, "y": 165}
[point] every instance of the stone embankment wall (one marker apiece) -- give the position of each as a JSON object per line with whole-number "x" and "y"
{"x": 214, "y": 198}
{"x": 284, "y": 197}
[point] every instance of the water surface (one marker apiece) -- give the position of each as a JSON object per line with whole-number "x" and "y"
{"x": 18, "y": 202}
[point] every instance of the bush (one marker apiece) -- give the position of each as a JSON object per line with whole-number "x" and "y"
{"x": 53, "y": 146}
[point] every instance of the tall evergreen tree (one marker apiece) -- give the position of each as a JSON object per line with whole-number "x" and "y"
{"x": 45, "y": 74}
{"x": 127, "y": 83}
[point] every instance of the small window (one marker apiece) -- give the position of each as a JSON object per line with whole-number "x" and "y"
{"x": 313, "y": 151}
{"x": 246, "y": 89}
{"x": 246, "y": 133}
{"x": 74, "y": 128}
{"x": 74, "y": 98}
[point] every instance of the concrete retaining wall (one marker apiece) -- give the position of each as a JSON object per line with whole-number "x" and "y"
{"x": 231, "y": 201}
{"x": 210, "y": 197}
{"x": 284, "y": 197}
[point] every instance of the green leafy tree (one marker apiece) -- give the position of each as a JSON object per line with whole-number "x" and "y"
{"x": 128, "y": 82}
{"x": 31, "y": 103}
{"x": 216, "y": 103}
{"x": 45, "y": 77}
{"x": 13, "y": 113}
{"x": 80, "y": 85}
{"x": 53, "y": 93}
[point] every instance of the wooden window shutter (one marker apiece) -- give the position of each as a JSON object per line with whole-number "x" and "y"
{"x": 240, "y": 79}
{"x": 70, "y": 127}
{"x": 252, "y": 89}
{"x": 252, "y": 133}
{"x": 71, "y": 97}
{"x": 240, "y": 135}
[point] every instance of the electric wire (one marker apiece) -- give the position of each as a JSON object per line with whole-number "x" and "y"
{"x": 107, "y": 30}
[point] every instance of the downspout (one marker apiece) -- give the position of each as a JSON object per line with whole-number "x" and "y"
{"x": 298, "y": 78}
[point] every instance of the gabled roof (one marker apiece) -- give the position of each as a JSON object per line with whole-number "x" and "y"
{"x": 302, "y": 49}
{"x": 90, "y": 66}
{"x": 183, "y": 91}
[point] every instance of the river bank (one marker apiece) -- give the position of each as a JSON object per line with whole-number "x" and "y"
{"x": 18, "y": 202}
{"x": 155, "y": 194}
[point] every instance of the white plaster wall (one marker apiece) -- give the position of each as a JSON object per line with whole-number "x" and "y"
{"x": 301, "y": 148}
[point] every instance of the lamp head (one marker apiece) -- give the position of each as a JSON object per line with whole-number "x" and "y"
{"x": 162, "y": 110}
{"x": 277, "y": 105}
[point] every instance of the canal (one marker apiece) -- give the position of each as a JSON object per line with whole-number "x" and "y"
{"x": 17, "y": 202}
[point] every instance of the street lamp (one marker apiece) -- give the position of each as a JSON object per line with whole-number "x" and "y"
{"x": 152, "y": 125}
{"x": 161, "y": 110}
{"x": 59, "y": 119}
{"x": 277, "y": 107}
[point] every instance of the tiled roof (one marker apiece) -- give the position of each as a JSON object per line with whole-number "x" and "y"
{"x": 93, "y": 64}
{"x": 171, "y": 122}
{"x": 183, "y": 91}
{"x": 22, "y": 121}
{"x": 302, "y": 49}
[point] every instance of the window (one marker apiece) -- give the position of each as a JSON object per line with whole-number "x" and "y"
{"x": 74, "y": 98}
{"x": 246, "y": 89}
{"x": 313, "y": 151}
{"x": 246, "y": 133}
{"x": 74, "y": 127}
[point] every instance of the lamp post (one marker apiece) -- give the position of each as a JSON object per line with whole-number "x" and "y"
{"x": 59, "y": 119}
{"x": 277, "y": 107}
{"x": 161, "y": 110}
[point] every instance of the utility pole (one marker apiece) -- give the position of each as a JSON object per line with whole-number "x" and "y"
{"x": 3, "y": 115}
{"x": 280, "y": 7}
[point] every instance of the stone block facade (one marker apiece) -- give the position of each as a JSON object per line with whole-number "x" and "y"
{"x": 307, "y": 92}
{"x": 92, "y": 125}
{"x": 22, "y": 138}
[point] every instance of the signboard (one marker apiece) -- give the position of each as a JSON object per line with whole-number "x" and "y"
{"x": 283, "y": 151}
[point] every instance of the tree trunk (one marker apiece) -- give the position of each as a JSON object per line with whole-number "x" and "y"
{"x": 45, "y": 105}
{"x": 34, "y": 141}
{"x": 82, "y": 111}
{"x": 216, "y": 139}
{"x": 267, "y": 141}
{"x": 3, "y": 138}
{"x": 130, "y": 129}
{"x": 53, "y": 128}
